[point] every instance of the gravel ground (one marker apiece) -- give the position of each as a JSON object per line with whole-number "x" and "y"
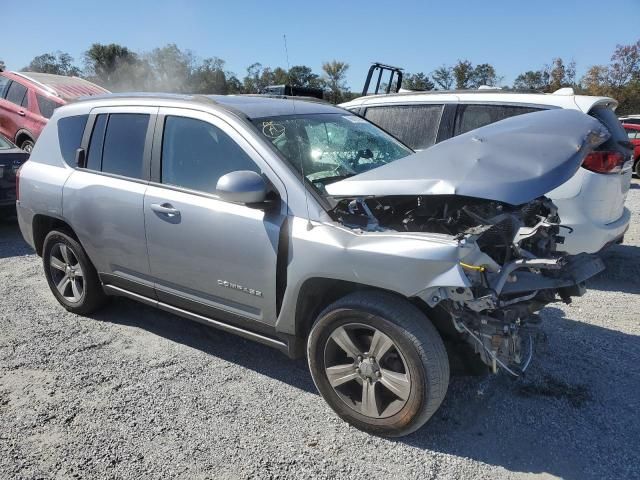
{"x": 137, "y": 393}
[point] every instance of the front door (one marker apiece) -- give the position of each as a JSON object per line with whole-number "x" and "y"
{"x": 206, "y": 255}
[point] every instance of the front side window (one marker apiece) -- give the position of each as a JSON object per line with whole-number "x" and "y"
{"x": 16, "y": 93}
{"x": 124, "y": 140}
{"x": 415, "y": 125}
{"x": 195, "y": 154}
{"x": 632, "y": 134}
{"x": 46, "y": 106}
{"x": 471, "y": 117}
{"x": 70, "y": 131}
{"x": 329, "y": 147}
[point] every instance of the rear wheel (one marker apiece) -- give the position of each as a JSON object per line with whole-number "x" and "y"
{"x": 70, "y": 274}
{"x": 379, "y": 363}
{"x": 637, "y": 167}
{"x": 27, "y": 145}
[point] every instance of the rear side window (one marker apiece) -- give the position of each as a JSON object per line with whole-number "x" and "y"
{"x": 46, "y": 106}
{"x": 195, "y": 154}
{"x": 70, "y": 130}
{"x": 16, "y": 93}
{"x": 470, "y": 117}
{"x": 414, "y": 125}
{"x": 124, "y": 140}
{"x": 632, "y": 134}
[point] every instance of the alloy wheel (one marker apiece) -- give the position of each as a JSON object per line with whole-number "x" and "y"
{"x": 367, "y": 370}
{"x": 66, "y": 272}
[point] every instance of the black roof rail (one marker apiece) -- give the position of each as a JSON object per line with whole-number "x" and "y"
{"x": 381, "y": 68}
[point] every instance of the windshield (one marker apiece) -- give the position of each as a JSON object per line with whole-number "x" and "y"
{"x": 330, "y": 147}
{"x": 5, "y": 144}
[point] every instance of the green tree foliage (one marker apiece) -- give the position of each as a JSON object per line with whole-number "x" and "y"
{"x": 335, "y": 80}
{"x": 620, "y": 79}
{"x": 172, "y": 68}
{"x": 58, "y": 63}
{"x": 443, "y": 77}
{"x": 114, "y": 66}
{"x": 463, "y": 73}
{"x": 209, "y": 77}
{"x": 303, "y": 76}
{"x": 417, "y": 81}
{"x": 485, "y": 74}
{"x": 530, "y": 80}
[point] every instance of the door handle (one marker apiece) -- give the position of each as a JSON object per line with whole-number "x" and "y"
{"x": 21, "y": 113}
{"x": 165, "y": 209}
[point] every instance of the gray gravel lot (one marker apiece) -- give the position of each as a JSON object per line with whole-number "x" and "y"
{"x": 137, "y": 393}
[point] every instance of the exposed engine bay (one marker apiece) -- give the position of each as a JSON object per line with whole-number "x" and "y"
{"x": 513, "y": 262}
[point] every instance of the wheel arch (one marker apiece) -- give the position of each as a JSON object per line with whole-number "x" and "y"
{"x": 43, "y": 224}
{"x": 22, "y": 135}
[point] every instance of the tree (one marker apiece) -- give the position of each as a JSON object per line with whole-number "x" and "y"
{"x": 558, "y": 75}
{"x": 303, "y": 76}
{"x": 171, "y": 68}
{"x": 114, "y": 66}
{"x": 417, "y": 81}
{"x": 335, "y": 73}
{"x": 234, "y": 85}
{"x": 530, "y": 80}
{"x": 463, "y": 73}
{"x": 625, "y": 66}
{"x": 209, "y": 77}
{"x": 58, "y": 63}
{"x": 252, "y": 80}
{"x": 443, "y": 77}
{"x": 596, "y": 81}
{"x": 485, "y": 74}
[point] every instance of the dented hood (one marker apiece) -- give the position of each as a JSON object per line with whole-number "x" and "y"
{"x": 514, "y": 161}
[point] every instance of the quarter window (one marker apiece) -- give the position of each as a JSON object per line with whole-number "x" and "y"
{"x": 16, "y": 93}
{"x": 124, "y": 141}
{"x": 195, "y": 154}
{"x": 471, "y": 117}
{"x": 70, "y": 131}
{"x": 46, "y": 106}
{"x": 415, "y": 125}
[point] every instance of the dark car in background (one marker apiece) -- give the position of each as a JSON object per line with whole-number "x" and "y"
{"x": 11, "y": 159}
{"x": 28, "y": 99}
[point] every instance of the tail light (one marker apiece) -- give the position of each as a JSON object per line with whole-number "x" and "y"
{"x": 18, "y": 182}
{"x": 604, "y": 162}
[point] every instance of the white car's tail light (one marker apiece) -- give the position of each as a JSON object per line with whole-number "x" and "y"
{"x": 604, "y": 162}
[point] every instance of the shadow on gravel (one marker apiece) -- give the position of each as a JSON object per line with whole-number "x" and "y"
{"x": 571, "y": 401}
{"x": 573, "y": 415}
{"x": 623, "y": 270}
{"x": 11, "y": 242}
{"x": 231, "y": 348}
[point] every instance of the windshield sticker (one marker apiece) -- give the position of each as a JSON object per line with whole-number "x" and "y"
{"x": 272, "y": 130}
{"x": 354, "y": 119}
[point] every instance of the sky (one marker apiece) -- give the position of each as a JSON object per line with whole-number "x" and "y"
{"x": 514, "y": 36}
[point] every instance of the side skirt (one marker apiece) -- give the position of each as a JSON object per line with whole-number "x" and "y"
{"x": 257, "y": 337}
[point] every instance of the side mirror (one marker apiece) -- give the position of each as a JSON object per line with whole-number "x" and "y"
{"x": 242, "y": 186}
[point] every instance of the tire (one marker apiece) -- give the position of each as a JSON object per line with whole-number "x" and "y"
{"x": 416, "y": 364}
{"x": 27, "y": 145}
{"x": 637, "y": 167}
{"x": 66, "y": 263}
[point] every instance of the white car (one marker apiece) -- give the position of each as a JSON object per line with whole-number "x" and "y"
{"x": 590, "y": 204}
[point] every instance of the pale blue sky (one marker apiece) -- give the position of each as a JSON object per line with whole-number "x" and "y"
{"x": 419, "y": 36}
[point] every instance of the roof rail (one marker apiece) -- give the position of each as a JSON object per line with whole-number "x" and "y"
{"x": 39, "y": 84}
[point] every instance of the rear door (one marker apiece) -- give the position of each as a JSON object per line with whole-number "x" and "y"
{"x": 104, "y": 201}
{"x": 208, "y": 256}
{"x": 14, "y": 109}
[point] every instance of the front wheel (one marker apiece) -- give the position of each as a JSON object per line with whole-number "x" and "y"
{"x": 378, "y": 362}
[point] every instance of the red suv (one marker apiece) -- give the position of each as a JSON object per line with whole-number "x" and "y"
{"x": 633, "y": 131}
{"x": 27, "y": 101}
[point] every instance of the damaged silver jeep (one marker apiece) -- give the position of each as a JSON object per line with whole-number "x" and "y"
{"x": 301, "y": 226}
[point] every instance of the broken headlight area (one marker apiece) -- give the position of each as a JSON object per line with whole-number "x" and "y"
{"x": 509, "y": 254}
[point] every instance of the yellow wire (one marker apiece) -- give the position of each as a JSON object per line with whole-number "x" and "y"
{"x": 472, "y": 267}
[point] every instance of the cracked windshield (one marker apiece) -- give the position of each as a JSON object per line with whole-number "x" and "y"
{"x": 330, "y": 147}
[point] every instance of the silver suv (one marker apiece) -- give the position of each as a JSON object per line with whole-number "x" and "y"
{"x": 304, "y": 227}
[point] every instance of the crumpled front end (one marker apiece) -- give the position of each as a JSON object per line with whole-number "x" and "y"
{"x": 509, "y": 254}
